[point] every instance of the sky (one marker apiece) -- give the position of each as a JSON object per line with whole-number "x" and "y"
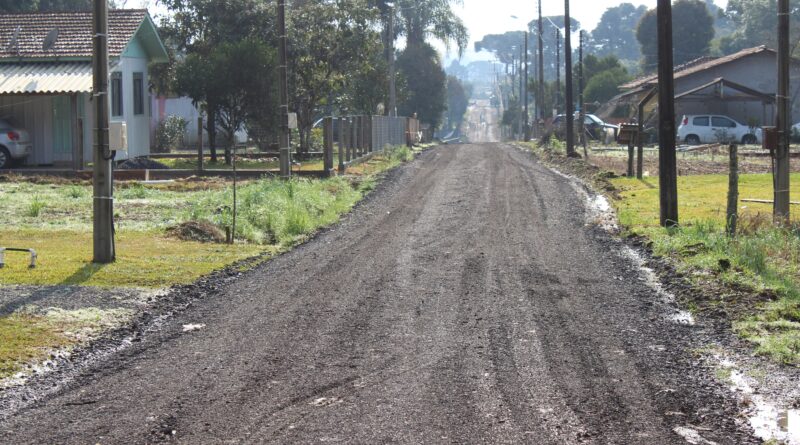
{"x": 494, "y": 17}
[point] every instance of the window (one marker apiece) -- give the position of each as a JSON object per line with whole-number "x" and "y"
{"x": 116, "y": 94}
{"x": 719, "y": 121}
{"x": 138, "y": 93}
{"x": 700, "y": 121}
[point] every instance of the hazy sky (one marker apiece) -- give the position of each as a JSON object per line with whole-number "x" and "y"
{"x": 494, "y": 16}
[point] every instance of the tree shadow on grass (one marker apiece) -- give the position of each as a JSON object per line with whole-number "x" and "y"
{"x": 83, "y": 274}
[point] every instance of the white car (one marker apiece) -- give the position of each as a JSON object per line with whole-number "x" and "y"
{"x": 14, "y": 144}
{"x": 711, "y": 128}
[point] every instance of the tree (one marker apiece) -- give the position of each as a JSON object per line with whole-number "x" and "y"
{"x": 422, "y": 70}
{"x": 425, "y": 19}
{"x": 12, "y": 6}
{"x": 232, "y": 95}
{"x": 457, "y": 102}
{"x": 605, "y": 84}
{"x": 692, "y": 32}
{"x": 754, "y": 23}
{"x": 333, "y": 43}
{"x": 615, "y": 34}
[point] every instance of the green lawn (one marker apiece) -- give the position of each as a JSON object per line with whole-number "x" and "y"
{"x": 762, "y": 258}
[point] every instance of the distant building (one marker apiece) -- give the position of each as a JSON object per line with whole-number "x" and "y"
{"x": 49, "y": 92}
{"x": 740, "y": 85}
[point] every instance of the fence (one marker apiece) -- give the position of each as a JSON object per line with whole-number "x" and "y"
{"x": 356, "y": 137}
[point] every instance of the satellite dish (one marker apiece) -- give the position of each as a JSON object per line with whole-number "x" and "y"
{"x": 14, "y": 43}
{"x": 50, "y": 40}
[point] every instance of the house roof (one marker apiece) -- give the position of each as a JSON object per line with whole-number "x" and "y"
{"x": 75, "y": 34}
{"x": 45, "y": 78}
{"x": 698, "y": 65}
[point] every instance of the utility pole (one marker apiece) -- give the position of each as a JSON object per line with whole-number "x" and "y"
{"x": 521, "y": 90}
{"x": 102, "y": 180}
{"x": 570, "y": 103}
{"x": 540, "y": 101}
{"x": 781, "y": 186}
{"x": 581, "y": 105}
{"x": 283, "y": 86}
{"x": 527, "y": 135}
{"x": 667, "y": 168}
{"x": 392, "y": 74}
{"x": 558, "y": 72}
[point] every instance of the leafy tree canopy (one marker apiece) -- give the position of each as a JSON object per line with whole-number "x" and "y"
{"x": 616, "y": 32}
{"x": 692, "y": 32}
{"x": 426, "y": 83}
{"x": 754, "y": 23}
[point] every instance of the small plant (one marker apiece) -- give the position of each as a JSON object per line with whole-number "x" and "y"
{"x": 169, "y": 133}
{"x": 75, "y": 192}
{"x": 35, "y": 207}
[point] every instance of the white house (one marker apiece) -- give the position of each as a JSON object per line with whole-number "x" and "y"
{"x": 48, "y": 92}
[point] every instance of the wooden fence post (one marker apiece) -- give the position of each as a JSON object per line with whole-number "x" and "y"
{"x": 327, "y": 155}
{"x": 200, "y": 144}
{"x": 630, "y": 157}
{"x": 348, "y": 136}
{"x": 732, "y": 215}
{"x": 342, "y": 146}
{"x": 639, "y": 150}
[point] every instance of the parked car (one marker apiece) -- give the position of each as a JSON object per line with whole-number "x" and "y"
{"x": 711, "y": 128}
{"x": 595, "y": 127}
{"x": 15, "y": 143}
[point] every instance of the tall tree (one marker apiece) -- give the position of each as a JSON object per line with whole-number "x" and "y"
{"x": 457, "y": 102}
{"x": 422, "y": 70}
{"x": 754, "y": 23}
{"x": 425, "y": 19}
{"x": 692, "y": 32}
{"x": 332, "y": 43}
{"x": 12, "y": 6}
{"x": 616, "y": 32}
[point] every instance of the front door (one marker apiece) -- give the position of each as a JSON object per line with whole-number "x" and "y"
{"x": 62, "y": 129}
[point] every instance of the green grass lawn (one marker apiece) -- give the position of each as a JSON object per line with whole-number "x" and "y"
{"x": 762, "y": 257}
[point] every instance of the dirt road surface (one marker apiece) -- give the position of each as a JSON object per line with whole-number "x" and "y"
{"x": 466, "y": 301}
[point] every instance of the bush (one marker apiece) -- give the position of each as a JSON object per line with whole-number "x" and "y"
{"x": 35, "y": 207}
{"x": 169, "y": 133}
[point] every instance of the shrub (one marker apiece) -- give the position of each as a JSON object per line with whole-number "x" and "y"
{"x": 169, "y": 133}
{"x": 35, "y": 207}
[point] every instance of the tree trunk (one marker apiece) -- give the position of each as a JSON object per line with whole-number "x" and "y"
{"x": 211, "y": 128}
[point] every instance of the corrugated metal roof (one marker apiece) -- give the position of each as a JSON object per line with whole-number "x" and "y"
{"x": 45, "y": 78}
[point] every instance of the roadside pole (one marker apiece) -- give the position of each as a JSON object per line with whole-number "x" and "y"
{"x": 582, "y": 115}
{"x": 392, "y": 74}
{"x": 102, "y": 180}
{"x": 540, "y": 100}
{"x": 521, "y": 89}
{"x": 781, "y": 189}
{"x": 526, "y": 127}
{"x": 667, "y": 162}
{"x": 558, "y": 74}
{"x": 733, "y": 191}
{"x": 569, "y": 104}
{"x": 283, "y": 86}
{"x": 200, "y": 144}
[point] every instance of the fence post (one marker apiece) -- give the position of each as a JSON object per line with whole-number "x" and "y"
{"x": 370, "y": 135}
{"x": 341, "y": 144}
{"x": 630, "y": 158}
{"x": 200, "y": 143}
{"x": 327, "y": 155}
{"x": 733, "y": 191}
{"x": 639, "y": 150}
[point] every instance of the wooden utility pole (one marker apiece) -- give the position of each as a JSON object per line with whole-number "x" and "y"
{"x": 781, "y": 185}
{"x": 103, "y": 205}
{"x": 540, "y": 100}
{"x": 581, "y": 105}
{"x": 733, "y": 191}
{"x": 569, "y": 102}
{"x": 392, "y": 73}
{"x": 558, "y": 73}
{"x": 667, "y": 162}
{"x": 521, "y": 89}
{"x": 526, "y": 128}
{"x": 283, "y": 87}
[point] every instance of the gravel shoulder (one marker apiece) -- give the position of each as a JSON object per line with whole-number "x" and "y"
{"x": 467, "y": 300}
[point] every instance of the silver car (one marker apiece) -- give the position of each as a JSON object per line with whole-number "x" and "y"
{"x": 15, "y": 144}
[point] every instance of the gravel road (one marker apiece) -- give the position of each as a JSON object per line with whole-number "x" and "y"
{"x": 466, "y": 301}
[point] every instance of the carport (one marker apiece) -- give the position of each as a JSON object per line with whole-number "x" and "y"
{"x": 720, "y": 96}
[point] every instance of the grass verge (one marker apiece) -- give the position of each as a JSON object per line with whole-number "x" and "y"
{"x": 762, "y": 260}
